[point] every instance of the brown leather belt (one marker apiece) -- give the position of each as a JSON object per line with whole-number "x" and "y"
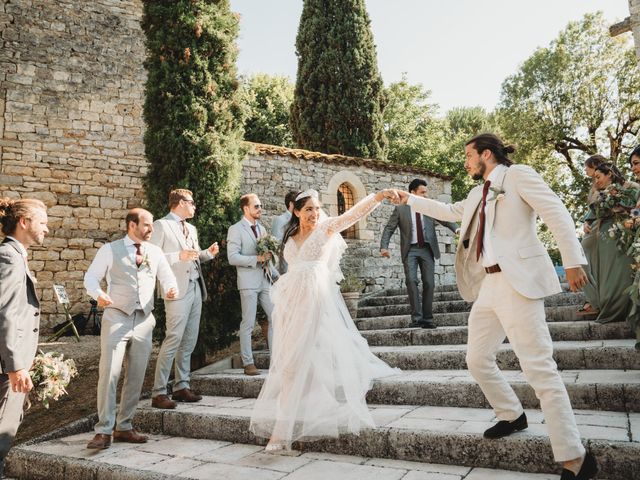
{"x": 493, "y": 269}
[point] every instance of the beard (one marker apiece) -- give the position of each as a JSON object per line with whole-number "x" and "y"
{"x": 479, "y": 175}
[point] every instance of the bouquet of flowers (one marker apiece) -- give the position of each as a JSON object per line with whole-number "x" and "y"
{"x": 269, "y": 244}
{"x": 50, "y": 375}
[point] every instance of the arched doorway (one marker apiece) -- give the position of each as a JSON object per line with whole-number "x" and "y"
{"x": 346, "y": 200}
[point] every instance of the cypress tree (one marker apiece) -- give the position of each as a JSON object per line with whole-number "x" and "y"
{"x": 339, "y": 97}
{"x": 194, "y": 134}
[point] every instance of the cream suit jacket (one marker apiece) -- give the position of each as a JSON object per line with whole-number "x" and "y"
{"x": 167, "y": 234}
{"x": 511, "y": 222}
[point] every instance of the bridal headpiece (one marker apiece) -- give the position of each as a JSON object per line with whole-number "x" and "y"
{"x": 307, "y": 193}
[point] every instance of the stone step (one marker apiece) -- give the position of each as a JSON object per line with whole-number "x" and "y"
{"x": 403, "y": 291}
{"x": 565, "y": 313}
{"x": 390, "y": 299}
{"x": 594, "y": 354}
{"x": 561, "y": 299}
{"x": 613, "y": 390}
{"x": 172, "y": 457}
{"x": 560, "y": 331}
{"x": 442, "y": 435}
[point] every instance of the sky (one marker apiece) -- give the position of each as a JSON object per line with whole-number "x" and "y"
{"x": 461, "y": 50}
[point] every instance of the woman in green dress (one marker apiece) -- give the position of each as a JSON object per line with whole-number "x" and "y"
{"x": 609, "y": 268}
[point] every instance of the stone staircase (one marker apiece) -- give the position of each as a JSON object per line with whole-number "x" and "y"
{"x": 429, "y": 419}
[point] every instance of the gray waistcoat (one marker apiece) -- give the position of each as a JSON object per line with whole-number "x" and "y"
{"x": 131, "y": 288}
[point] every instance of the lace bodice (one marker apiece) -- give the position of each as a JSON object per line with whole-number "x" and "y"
{"x": 316, "y": 246}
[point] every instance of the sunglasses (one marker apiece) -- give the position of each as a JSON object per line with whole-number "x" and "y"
{"x": 258, "y": 207}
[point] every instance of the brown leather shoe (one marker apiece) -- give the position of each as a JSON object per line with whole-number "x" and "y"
{"x": 186, "y": 395}
{"x": 100, "y": 442}
{"x": 163, "y": 401}
{"x": 129, "y": 436}
{"x": 251, "y": 370}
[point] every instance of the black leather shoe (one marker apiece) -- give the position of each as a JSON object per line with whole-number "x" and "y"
{"x": 428, "y": 325}
{"x": 505, "y": 428}
{"x": 588, "y": 470}
{"x": 416, "y": 324}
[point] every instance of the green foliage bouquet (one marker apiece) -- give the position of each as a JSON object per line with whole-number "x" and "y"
{"x": 269, "y": 244}
{"x": 50, "y": 375}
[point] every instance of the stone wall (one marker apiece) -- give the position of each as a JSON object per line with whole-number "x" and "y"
{"x": 71, "y": 95}
{"x": 272, "y": 176}
{"x": 634, "y": 8}
{"x": 71, "y": 134}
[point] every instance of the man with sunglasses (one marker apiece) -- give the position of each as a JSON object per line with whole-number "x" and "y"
{"x": 179, "y": 242}
{"x": 253, "y": 283}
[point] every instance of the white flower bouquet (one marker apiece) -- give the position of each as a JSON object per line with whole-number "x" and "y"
{"x": 51, "y": 375}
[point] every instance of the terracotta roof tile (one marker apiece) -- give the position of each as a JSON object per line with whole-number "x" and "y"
{"x": 264, "y": 149}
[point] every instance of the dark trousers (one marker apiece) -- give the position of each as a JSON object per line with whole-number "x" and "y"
{"x": 421, "y": 309}
{"x": 11, "y": 408}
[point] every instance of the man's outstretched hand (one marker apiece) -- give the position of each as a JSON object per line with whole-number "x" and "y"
{"x": 576, "y": 277}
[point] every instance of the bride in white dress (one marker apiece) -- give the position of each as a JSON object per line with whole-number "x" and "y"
{"x": 321, "y": 367}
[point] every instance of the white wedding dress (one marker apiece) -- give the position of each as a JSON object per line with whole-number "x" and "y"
{"x": 321, "y": 367}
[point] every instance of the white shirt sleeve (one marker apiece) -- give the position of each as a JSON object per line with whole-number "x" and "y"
{"x": 98, "y": 270}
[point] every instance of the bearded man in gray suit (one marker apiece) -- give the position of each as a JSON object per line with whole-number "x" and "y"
{"x": 418, "y": 249}
{"x": 253, "y": 283}
{"x": 24, "y": 223}
{"x": 179, "y": 242}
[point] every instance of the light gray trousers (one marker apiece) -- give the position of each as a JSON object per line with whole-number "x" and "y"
{"x": 11, "y": 408}
{"x": 183, "y": 325}
{"x": 123, "y": 338}
{"x": 249, "y": 299}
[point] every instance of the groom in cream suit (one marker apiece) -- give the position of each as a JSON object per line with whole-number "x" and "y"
{"x": 178, "y": 239}
{"x": 502, "y": 267}
{"x": 254, "y": 286}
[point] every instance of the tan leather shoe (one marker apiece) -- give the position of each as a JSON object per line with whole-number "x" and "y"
{"x": 186, "y": 395}
{"x": 163, "y": 401}
{"x": 251, "y": 370}
{"x": 100, "y": 442}
{"x": 129, "y": 436}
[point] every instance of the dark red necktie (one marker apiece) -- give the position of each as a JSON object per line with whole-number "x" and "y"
{"x": 419, "y": 230}
{"x": 254, "y": 228}
{"x": 185, "y": 230}
{"x": 138, "y": 254}
{"x": 480, "y": 243}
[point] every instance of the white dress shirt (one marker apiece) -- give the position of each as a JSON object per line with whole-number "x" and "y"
{"x": 489, "y": 257}
{"x": 257, "y": 225}
{"x": 101, "y": 266}
{"x": 414, "y": 228}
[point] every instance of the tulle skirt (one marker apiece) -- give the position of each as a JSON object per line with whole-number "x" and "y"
{"x": 321, "y": 367}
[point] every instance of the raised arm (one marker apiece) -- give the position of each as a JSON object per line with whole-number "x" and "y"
{"x": 360, "y": 210}
{"x": 448, "y": 212}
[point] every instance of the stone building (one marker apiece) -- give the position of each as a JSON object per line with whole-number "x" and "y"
{"x": 71, "y": 134}
{"x": 630, "y": 24}
{"x": 272, "y": 171}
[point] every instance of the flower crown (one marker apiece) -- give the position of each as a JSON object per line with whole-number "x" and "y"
{"x": 307, "y": 193}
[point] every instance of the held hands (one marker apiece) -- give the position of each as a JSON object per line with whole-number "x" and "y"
{"x": 104, "y": 300}
{"x": 402, "y": 197}
{"x": 171, "y": 293}
{"x": 576, "y": 277}
{"x": 189, "y": 255}
{"x": 385, "y": 253}
{"x": 20, "y": 381}
{"x": 264, "y": 257}
{"x": 214, "y": 249}
{"x": 388, "y": 193}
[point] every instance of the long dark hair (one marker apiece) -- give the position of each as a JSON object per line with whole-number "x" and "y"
{"x": 492, "y": 142}
{"x": 634, "y": 153}
{"x": 294, "y": 224}
{"x": 594, "y": 161}
{"x": 610, "y": 168}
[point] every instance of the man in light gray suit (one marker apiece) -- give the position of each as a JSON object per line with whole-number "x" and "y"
{"x": 179, "y": 242}
{"x": 24, "y": 223}
{"x": 254, "y": 286}
{"x": 130, "y": 266}
{"x": 418, "y": 248}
